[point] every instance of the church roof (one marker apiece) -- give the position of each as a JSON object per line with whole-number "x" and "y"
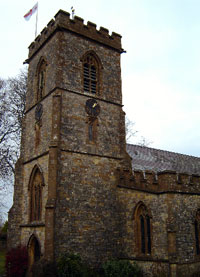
{"x": 146, "y": 158}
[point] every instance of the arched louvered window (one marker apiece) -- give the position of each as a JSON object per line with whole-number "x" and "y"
{"x": 197, "y": 232}
{"x": 143, "y": 230}
{"x": 90, "y": 74}
{"x": 36, "y": 186}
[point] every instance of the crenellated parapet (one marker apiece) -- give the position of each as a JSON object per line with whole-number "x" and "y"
{"x": 63, "y": 22}
{"x": 165, "y": 181}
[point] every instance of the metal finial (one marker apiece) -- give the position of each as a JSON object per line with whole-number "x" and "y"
{"x": 73, "y": 12}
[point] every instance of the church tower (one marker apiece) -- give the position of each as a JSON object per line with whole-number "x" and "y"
{"x": 73, "y": 142}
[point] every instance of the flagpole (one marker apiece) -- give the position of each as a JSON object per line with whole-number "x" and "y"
{"x": 36, "y": 22}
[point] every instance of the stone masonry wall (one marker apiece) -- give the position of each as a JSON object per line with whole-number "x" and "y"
{"x": 50, "y": 52}
{"x": 15, "y": 213}
{"x": 88, "y": 214}
{"x": 45, "y": 130}
{"x": 43, "y": 164}
{"x": 86, "y": 207}
{"x": 128, "y": 200}
{"x": 38, "y": 232}
{"x": 72, "y": 49}
{"x": 74, "y": 128}
{"x": 29, "y": 149}
{"x": 170, "y": 213}
{"x": 26, "y": 228}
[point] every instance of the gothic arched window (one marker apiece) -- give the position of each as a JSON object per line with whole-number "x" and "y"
{"x": 41, "y": 78}
{"x": 197, "y": 232}
{"x": 90, "y": 73}
{"x": 36, "y": 186}
{"x": 143, "y": 230}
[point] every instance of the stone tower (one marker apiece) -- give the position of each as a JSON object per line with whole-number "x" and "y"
{"x": 73, "y": 142}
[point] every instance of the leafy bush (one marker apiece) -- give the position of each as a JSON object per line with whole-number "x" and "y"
{"x": 17, "y": 262}
{"x": 121, "y": 268}
{"x": 71, "y": 265}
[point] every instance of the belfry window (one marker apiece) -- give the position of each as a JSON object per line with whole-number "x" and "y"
{"x": 36, "y": 185}
{"x": 197, "y": 232}
{"x": 90, "y": 74}
{"x": 142, "y": 229}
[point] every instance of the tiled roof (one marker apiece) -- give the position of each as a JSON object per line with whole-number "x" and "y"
{"x": 145, "y": 158}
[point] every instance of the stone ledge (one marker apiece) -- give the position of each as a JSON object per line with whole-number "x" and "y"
{"x": 33, "y": 224}
{"x": 145, "y": 259}
{"x": 157, "y": 192}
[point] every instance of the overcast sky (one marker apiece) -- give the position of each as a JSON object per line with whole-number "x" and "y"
{"x": 160, "y": 71}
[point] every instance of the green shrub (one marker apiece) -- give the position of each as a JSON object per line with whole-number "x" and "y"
{"x": 71, "y": 265}
{"x": 121, "y": 268}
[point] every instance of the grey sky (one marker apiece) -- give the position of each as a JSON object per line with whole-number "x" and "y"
{"x": 160, "y": 71}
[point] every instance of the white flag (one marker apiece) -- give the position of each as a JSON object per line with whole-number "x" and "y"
{"x": 28, "y": 15}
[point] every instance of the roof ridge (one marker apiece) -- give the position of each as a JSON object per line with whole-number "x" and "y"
{"x": 166, "y": 151}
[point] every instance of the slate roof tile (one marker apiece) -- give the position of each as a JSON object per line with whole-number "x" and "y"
{"x": 146, "y": 158}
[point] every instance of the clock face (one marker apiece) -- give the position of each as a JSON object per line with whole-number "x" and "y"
{"x": 38, "y": 112}
{"x": 92, "y": 107}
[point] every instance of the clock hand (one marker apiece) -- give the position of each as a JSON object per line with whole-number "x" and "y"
{"x": 94, "y": 105}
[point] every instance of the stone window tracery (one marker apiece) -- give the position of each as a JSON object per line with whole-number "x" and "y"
{"x": 36, "y": 187}
{"x": 143, "y": 230}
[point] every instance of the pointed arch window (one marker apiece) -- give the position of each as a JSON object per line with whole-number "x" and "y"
{"x": 197, "y": 232}
{"x": 36, "y": 187}
{"x": 91, "y": 73}
{"x": 41, "y": 79}
{"x": 143, "y": 229}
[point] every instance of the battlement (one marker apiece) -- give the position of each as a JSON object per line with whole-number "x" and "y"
{"x": 159, "y": 182}
{"x": 63, "y": 22}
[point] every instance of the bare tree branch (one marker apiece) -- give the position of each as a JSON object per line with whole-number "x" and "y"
{"x": 132, "y": 134}
{"x": 12, "y": 109}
